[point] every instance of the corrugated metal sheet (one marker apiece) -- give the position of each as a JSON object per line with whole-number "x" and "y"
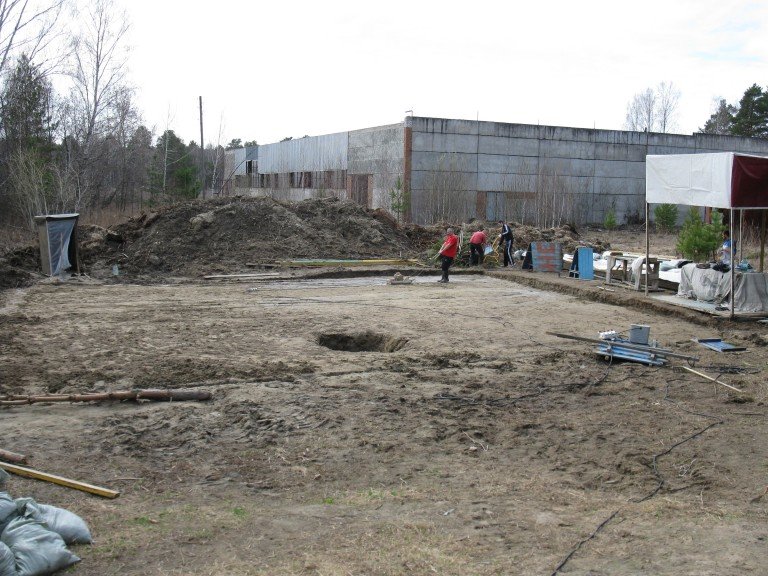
{"x": 238, "y": 161}
{"x": 235, "y": 160}
{"x": 314, "y": 153}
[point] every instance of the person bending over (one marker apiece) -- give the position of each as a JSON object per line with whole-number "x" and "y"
{"x": 477, "y": 247}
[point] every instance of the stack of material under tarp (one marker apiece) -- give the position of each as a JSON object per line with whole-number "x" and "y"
{"x": 34, "y": 537}
{"x": 707, "y": 285}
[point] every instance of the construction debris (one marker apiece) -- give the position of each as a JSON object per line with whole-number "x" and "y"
{"x": 718, "y": 345}
{"x": 400, "y": 279}
{"x": 611, "y": 346}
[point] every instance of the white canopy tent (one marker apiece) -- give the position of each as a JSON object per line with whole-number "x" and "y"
{"x": 721, "y": 180}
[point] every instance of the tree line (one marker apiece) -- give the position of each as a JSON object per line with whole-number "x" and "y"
{"x": 747, "y": 118}
{"x": 71, "y": 135}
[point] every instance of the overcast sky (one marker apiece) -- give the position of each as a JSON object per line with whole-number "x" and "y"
{"x": 268, "y": 69}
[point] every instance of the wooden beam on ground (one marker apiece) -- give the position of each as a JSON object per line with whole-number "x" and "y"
{"x": 60, "y": 480}
{"x": 160, "y": 395}
{"x": 254, "y": 276}
{"x": 12, "y": 457}
{"x": 692, "y": 371}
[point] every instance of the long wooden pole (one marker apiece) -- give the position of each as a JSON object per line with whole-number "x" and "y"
{"x": 647, "y": 249}
{"x": 166, "y": 395}
{"x": 202, "y": 148}
{"x": 60, "y": 480}
{"x": 691, "y": 370}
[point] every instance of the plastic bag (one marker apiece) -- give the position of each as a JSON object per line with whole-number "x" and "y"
{"x": 36, "y": 549}
{"x": 7, "y": 509}
{"x": 66, "y": 524}
{"x": 7, "y": 561}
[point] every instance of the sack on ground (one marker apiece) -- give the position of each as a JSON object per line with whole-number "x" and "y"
{"x": 66, "y": 524}
{"x": 36, "y": 549}
{"x": 7, "y": 509}
{"x": 7, "y": 561}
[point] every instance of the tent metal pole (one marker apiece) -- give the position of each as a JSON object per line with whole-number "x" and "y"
{"x": 740, "y": 245}
{"x": 762, "y": 238}
{"x": 647, "y": 250}
{"x": 733, "y": 265}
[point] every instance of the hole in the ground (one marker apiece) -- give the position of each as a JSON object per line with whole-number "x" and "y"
{"x": 361, "y": 342}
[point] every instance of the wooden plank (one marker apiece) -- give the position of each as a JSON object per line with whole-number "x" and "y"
{"x": 254, "y": 276}
{"x": 60, "y": 480}
{"x": 691, "y": 370}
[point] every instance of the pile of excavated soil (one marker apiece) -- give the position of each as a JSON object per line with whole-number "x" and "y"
{"x": 20, "y": 267}
{"x": 567, "y": 236}
{"x": 224, "y": 235}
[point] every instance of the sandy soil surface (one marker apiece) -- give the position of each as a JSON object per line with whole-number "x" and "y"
{"x": 363, "y": 428}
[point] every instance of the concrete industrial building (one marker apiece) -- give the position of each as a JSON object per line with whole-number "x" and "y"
{"x": 457, "y": 169}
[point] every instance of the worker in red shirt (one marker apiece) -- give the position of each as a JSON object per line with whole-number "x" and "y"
{"x": 448, "y": 252}
{"x": 477, "y": 247}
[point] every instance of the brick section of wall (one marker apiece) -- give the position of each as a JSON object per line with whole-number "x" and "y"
{"x": 407, "y": 149}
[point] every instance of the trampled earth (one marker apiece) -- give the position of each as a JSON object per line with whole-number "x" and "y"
{"x": 358, "y": 427}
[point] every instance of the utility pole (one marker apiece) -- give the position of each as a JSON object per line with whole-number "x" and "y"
{"x": 202, "y": 148}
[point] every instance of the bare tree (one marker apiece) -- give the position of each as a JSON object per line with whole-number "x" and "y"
{"x": 27, "y": 26}
{"x": 99, "y": 90}
{"x": 641, "y": 112}
{"x": 446, "y": 195}
{"x": 654, "y": 110}
{"x": 668, "y": 98}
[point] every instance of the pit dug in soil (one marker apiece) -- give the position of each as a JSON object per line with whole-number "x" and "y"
{"x": 362, "y": 342}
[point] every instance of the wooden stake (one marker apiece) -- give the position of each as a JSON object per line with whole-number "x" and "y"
{"x": 710, "y": 378}
{"x": 13, "y": 457}
{"x": 77, "y": 485}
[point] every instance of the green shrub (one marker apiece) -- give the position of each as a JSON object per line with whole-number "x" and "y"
{"x": 400, "y": 200}
{"x": 610, "y": 218}
{"x": 698, "y": 240}
{"x": 665, "y": 216}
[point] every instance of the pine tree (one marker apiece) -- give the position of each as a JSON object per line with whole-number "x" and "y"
{"x": 751, "y": 120}
{"x": 721, "y": 121}
{"x": 25, "y": 107}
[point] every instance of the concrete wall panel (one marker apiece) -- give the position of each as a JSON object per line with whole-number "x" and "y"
{"x": 567, "y": 149}
{"x": 444, "y": 162}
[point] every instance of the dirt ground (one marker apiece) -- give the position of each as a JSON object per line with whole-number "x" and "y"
{"x": 362, "y": 428}
{"x": 449, "y": 434}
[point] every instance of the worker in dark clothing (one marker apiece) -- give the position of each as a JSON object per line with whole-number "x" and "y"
{"x": 506, "y": 238}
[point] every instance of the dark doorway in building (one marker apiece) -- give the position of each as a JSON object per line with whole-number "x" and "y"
{"x": 361, "y": 188}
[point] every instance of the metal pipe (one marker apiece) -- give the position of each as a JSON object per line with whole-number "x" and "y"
{"x": 629, "y": 345}
{"x": 733, "y": 266}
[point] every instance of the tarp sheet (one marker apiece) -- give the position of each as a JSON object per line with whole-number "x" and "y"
{"x": 720, "y": 180}
{"x": 59, "y": 234}
{"x": 707, "y": 285}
